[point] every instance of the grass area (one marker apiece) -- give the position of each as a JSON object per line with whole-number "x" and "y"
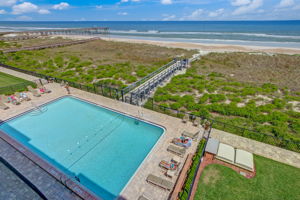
{"x": 113, "y": 63}
{"x": 212, "y": 91}
{"x": 10, "y": 84}
{"x": 273, "y": 181}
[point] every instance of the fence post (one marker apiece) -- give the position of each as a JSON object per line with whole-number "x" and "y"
{"x": 122, "y": 93}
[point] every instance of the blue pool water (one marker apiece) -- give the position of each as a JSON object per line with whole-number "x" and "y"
{"x": 101, "y": 147}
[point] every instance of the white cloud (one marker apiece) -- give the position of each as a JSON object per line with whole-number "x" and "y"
{"x": 99, "y": 6}
{"x": 8, "y": 2}
{"x": 216, "y": 13}
{"x": 2, "y": 12}
{"x": 166, "y": 2}
{"x": 285, "y": 3}
{"x": 248, "y": 8}
{"x": 240, "y": 2}
{"x": 195, "y": 15}
{"x": 61, "y": 6}
{"x": 43, "y": 11}
{"x": 25, "y": 7}
{"x": 122, "y": 13}
{"x": 168, "y": 17}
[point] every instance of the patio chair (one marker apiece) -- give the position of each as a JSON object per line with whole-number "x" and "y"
{"x": 33, "y": 91}
{"x": 24, "y": 96}
{"x": 160, "y": 182}
{"x": 197, "y": 121}
{"x": 44, "y": 90}
{"x": 176, "y": 150}
{"x": 3, "y": 106}
{"x": 190, "y": 135}
{"x": 14, "y": 100}
{"x": 168, "y": 165}
{"x": 185, "y": 142}
{"x": 185, "y": 118}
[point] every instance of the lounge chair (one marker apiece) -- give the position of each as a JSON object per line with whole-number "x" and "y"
{"x": 33, "y": 91}
{"x": 185, "y": 118}
{"x": 183, "y": 142}
{"x": 13, "y": 99}
{"x": 22, "y": 96}
{"x": 3, "y": 106}
{"x": 44, "y": 90}
{"x": 160, "y": 182}
{"x": 176, "y": 150}
{"x": 168, "y": 165}
{"x": 190, "y": 135}
{"x": 197, "y": 121}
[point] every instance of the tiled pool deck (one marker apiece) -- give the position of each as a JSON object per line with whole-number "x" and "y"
{"x": 174, "y": 127}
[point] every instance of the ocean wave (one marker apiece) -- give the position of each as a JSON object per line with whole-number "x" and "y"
{"x": 264, "y": 35}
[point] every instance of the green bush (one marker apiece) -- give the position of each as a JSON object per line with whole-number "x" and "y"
{"x": 183, "y": 195}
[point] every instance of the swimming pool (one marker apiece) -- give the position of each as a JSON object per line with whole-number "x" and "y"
{"x": 101, "y": 147}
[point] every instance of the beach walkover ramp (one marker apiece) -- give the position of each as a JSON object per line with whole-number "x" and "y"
{"x": 138, "y": 92}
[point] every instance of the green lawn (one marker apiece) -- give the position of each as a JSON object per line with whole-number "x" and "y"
{"x": 274, "y": 181}
{"x": 10, "y": 84}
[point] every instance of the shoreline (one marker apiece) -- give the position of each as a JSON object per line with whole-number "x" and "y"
{"x": 202, "y": 47}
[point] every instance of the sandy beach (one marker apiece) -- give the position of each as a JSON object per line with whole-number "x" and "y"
{"x": 204, "y": 48}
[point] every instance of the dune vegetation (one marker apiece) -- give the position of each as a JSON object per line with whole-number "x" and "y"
{"x": 235, "y": 89}
{"x": 112, "y": 63}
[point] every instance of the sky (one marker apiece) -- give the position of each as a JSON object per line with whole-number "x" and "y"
{"x": 148, "y": 10}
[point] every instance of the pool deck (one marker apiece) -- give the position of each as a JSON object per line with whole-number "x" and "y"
{"x": 137, "y": 185}
{"x": 174, "y": 127}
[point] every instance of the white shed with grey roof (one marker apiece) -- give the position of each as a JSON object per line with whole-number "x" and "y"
{"x": 212, "y": 146}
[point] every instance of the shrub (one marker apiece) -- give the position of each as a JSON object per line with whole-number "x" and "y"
{"x": 204, "y": 98}
{"x": 214, "y": 98}
{"x": 279, "y": 103}
{"x": 175, "y": 106}
{"x": 183, "y": 195}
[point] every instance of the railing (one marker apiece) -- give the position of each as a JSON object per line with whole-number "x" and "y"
{"x": 139, "y": 94}
{"x": 259, "y": 136}
{"x": 149, "y": 76}
{"x": 102, "y": 90}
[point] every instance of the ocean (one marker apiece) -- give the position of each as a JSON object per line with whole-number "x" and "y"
{"x": 254, "y": 33}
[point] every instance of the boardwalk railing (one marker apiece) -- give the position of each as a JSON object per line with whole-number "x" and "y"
{"x": 140, "y": 91}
